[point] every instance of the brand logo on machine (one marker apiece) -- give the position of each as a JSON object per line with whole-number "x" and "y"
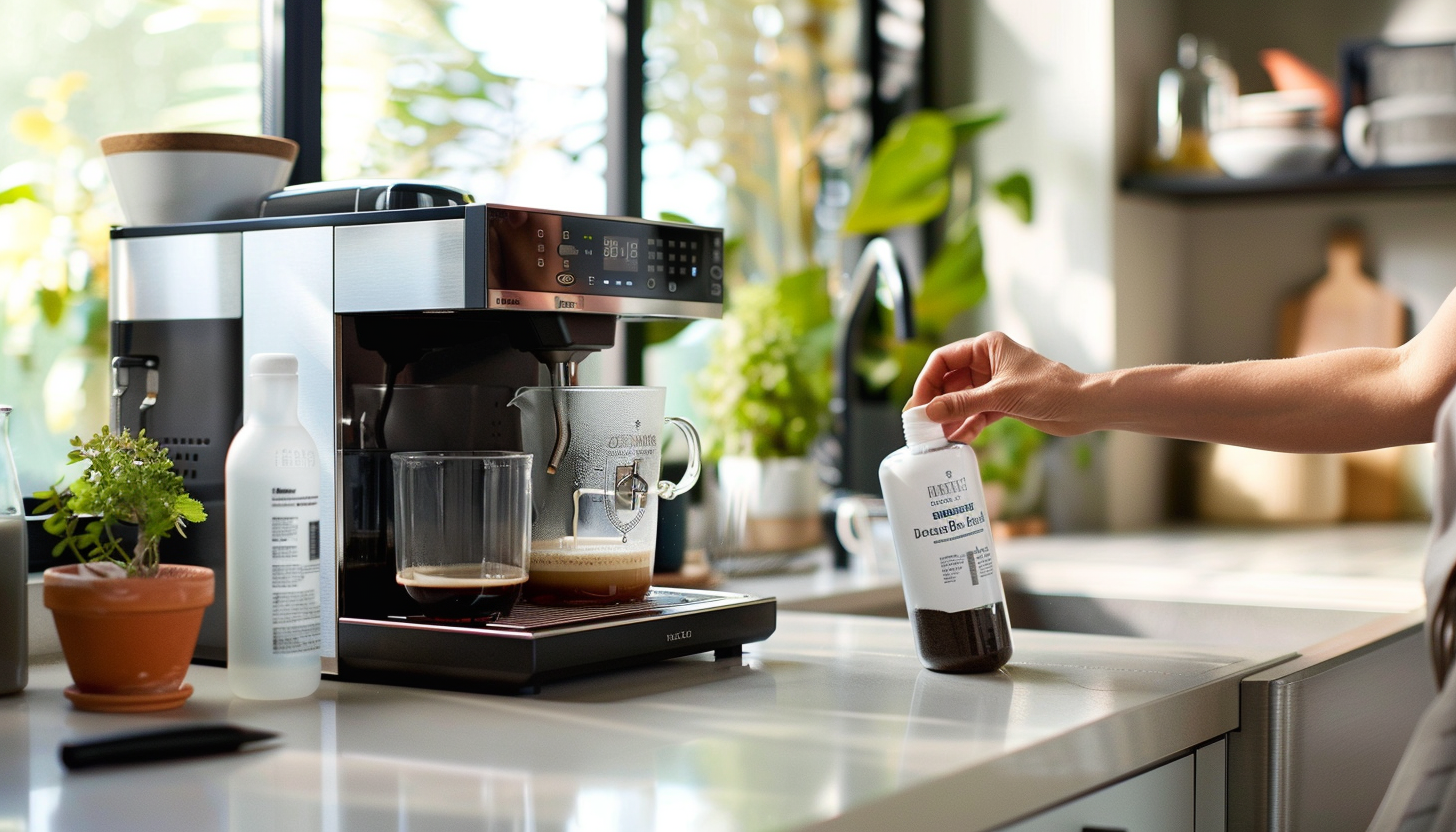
{"x": 680, "y": 636}
{"x": 563, "y": 303}
{"x": 632, "y": 441}
{"x": 506, "y": 300}
{"x": 945, "y": 489}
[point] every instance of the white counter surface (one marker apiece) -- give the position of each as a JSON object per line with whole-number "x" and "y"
{"x": 832, "y": 722}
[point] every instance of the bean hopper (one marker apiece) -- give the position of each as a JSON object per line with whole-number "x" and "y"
{"x": 414, "y": 327}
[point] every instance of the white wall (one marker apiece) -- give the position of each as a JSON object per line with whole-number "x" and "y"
{"x": 1244, "y": 258}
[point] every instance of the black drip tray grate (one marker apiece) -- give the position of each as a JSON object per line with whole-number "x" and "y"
{"x": 526, "y": 617}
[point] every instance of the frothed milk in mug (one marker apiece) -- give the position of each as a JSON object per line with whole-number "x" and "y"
{"x": 587, "y": 570}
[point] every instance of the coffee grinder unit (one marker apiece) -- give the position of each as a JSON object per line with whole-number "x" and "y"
{"x": 413, "y": 329}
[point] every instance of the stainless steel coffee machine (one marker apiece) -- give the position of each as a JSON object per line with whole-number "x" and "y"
{"x": 414, "y": 328}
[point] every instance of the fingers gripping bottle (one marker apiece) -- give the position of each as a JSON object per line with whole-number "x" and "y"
{"x": 273, "y": 602}
{"x": 942, "y": 537}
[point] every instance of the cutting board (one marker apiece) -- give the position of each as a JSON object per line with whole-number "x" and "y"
{"x": 1346, "y": 308}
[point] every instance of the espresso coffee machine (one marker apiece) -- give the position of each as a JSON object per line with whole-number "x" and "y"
{"x": 413, "y": 328}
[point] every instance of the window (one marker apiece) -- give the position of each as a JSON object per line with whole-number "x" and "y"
{"x": 507, "y": 100}
{"x": 755, "y": 118}
{"x": 86, "y": 68}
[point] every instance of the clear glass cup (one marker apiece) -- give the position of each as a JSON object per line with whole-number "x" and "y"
{"x": 462, "y": 531}
{"x": 596, "y": 489}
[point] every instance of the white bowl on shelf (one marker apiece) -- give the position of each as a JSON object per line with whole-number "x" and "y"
{"x": 166, "y": 178}
{"x": 1249, "y": 152}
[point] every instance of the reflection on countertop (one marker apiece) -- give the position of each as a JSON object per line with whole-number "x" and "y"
{"x": 832, "y": 719}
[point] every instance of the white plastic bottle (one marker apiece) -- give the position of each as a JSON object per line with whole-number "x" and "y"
{"x": 273, "y": 601}
{"x": 942, "y": 537}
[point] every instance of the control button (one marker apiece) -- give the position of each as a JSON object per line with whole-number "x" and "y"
{"x": 566, "y": 235}
{"x": 540, "y": 262}
{"x": 652, "y": 283}
{"x": 566, "y": 278}
{"x": 565, "y": 250}
{"x": 672, "y": 286}
{"x": 716, "y": 290}
{"x": 716, "y": 272}
{"x": 629, "y": 283}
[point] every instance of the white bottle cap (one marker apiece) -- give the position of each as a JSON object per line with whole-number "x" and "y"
{"x": 273, "y": 364}
{"x": 920, "y": 428}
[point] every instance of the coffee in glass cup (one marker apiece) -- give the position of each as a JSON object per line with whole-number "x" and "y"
{"x": 462, "y": 531}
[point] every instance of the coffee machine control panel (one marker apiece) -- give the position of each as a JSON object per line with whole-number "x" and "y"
{"x": 561, "y": 262}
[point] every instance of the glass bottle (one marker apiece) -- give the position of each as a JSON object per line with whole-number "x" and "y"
{"x": 1195, "y": 98}
{"x": 13, "y": 567}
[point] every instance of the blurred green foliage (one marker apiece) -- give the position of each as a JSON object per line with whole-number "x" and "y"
{"x": 912, "y": 179}
{"x": 765, "y": 391}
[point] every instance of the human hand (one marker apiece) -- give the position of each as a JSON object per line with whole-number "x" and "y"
{"x": 972, "y": 383}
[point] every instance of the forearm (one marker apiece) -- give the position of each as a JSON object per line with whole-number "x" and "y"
{"x": 1344, "y": 400}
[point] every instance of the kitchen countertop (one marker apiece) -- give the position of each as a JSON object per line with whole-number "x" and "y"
{"x": 831, "y": 723}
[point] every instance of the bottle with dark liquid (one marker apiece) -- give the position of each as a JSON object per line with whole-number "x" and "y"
{"x": 942, "y": 537}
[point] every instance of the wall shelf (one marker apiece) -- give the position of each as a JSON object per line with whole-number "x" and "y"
{"x": 1356, "y": 180}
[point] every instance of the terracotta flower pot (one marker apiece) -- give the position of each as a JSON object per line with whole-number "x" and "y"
{"x": 128, "y": 641}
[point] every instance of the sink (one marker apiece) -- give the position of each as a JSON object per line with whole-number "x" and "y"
{"x": 1194, "y": 622}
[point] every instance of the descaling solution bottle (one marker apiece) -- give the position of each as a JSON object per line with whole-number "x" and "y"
{"x": 942, "y": 537}
{"x": 272, "y": 497}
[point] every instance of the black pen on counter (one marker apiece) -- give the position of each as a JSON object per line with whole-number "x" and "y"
{"x": 196, "y": 740}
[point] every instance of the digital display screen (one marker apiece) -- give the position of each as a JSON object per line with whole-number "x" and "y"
{"x": 619, "y": 254}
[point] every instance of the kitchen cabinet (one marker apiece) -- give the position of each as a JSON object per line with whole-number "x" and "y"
{"x": 1185, "y": 795}
{"x": 1107, "y": 277}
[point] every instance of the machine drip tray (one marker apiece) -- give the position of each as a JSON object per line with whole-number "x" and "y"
{"x": 534, "y": 645}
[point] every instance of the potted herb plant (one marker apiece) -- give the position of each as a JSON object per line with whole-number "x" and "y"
{"x": 127, "y": 622}
{"x": 764, "y": 396}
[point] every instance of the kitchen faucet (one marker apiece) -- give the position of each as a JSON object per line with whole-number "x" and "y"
{"x": 877, "y": 261}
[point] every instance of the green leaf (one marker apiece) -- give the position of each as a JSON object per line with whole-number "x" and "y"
{"x": 17, "y": 193}
{"x": 669, "y": 216}
{"x": 803, "y": 297}
{"x": 968, "y": 120}
{"x": 1015, "y": 191}
{"x": 52, "y": 305}
{"x": 190, "y": 509}
{"x": 911, "y": 355}
{"x": 908, "y": 181}
{"x": 955, "y": 281}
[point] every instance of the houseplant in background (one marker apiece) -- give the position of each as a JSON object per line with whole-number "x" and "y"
{"x": 920, "y": 173}
{"x": 764, "y": 397}
{"x": 127, "y": 622}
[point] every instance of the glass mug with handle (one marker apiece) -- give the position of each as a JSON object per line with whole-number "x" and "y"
{"x": 595, "y": 489}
